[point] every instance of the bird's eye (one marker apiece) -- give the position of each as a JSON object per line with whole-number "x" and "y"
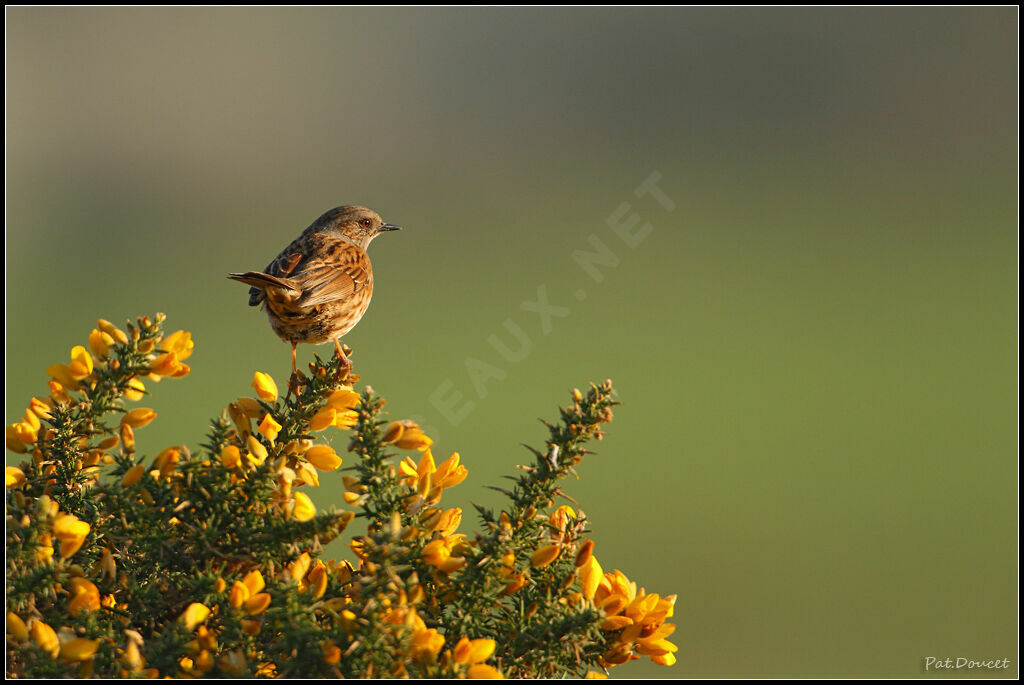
{"x": 365, "y": 223}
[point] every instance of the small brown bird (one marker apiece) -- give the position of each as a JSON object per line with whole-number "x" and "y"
{"x": 319, "y": 287}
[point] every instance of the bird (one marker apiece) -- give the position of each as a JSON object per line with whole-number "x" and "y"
{"x": 319, "y": 287}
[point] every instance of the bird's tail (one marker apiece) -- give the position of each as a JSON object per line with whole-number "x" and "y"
{"x": 260, "y": 282}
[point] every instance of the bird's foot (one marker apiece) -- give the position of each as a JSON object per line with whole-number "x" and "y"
{"x": 345, "y": 365}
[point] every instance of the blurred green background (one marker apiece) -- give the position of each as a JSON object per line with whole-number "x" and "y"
{"x": 816, "y": 348}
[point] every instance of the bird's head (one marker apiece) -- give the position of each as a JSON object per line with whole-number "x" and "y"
{"x": 356, "y": 224}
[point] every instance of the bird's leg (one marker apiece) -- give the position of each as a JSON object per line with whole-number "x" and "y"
{"x": 345, "y": 361}
{"x": 293, "y": 381}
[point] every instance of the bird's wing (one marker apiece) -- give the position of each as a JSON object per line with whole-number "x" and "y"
{"x": 334, "y": 270}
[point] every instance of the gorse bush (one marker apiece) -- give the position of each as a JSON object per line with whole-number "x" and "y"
{"x": 208, "y": 561}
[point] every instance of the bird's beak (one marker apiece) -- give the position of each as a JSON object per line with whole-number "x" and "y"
{"x": 390, "y": 227}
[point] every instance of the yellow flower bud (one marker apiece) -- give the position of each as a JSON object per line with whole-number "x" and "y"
{"x": 265, "y": 386}
{"x": 41, "y": 408}
{"x": 586, "y": 550}
{"x": 113, "y": 331}
{"x": 71, "y": 532}
{"x": 195, "y": 614}
{"x": 127, "y": 437}
{"x": 45, "y": 638}
{"x": 16, "y": 628}
{"x": 298, "y": 568}
{"x": 323, "y": 457}
{"x": 483, "y": 671}
{"x": 318, "y": 581}
{"x": 137, "y": 418}
{"x": 100, "y": 343}
{"x": 14, "y": 477}
{"x": 167, "y": 460}
{"x": 269, "y": 427}
{"x": 413, "y": 437}
{"x": 239, "y": 595}
{"x": 254, "y": 581}
{"x": 545, "y": 555}
{"x": 591, "y": 575}
{"x": 251, "y": 407}
{"x": 473, "y": 651}
{"x": 257, "y": 604}
{"x": 256, "y": 449}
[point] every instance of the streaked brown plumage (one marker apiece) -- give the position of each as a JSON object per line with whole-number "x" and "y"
{"x": 319, "y": 287}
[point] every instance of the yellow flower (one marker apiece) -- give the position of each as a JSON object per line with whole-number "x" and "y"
{"x": 332, "y": 653}
{"x": 323, "y": 418}
{"x": 298, "y": 568}
{"x": 137, "y": 418}
{"x": 590, "y": 576}
{"x": 343, "y": 399}
{"x": 269, "y": 427}
{"x": 100, "y": 343}
{"x": 613, "y": 623}
{"x": 254, "y": 581}
{"x": 195, "y": 614}
{"x": 438, "y": 553}
{"x": 32, "y": 420}
{"x": 265, "y": 386}
{"x": 595, "y": 675}
{"x": 45, "y": 638}
{"x": 78, "y": 649}
{"x": 135, "y": 390}
{"x": 113, "y": 331}
{"x": 346, "y": 419}
{"x": 167, "y": 364}
{"x": 412, "y": 437}
{"x": 482, "y": 671}
{"x": 133, "y": 475}
{"x": 473, "y": 651}
{"x": 257, "y": 452}
{"x": 323, "y": 457}
{"x": 230, "y": 456}
{"x": 257, "y": 604}
{"x": 81, "y": 363}
{"x": 304, "y": 509}
{"x": 585, "y": 552}
{"x": 14, "y": 444}
{"x": 239, "y": 594}
{"x": 252, "y": 408}
{"x": 22, "y": 432}
{"x": 392, "y": 433}
{"x": 180, "y": 343}
{"x": 427, "y": 642}
{"x": 307, "y": 474}
{"x": 85, "y": 597}
{"x": 108, "y": 566}
{"x": 57, "y": 392}
{"x": 448, "y": 522}
{"x": 61, "y": 374}
{"x": 545, "y": 555}
{"x": 40, "y": 408}
{"x": 167, "y": 460}
{"x": 318, "y": 580}
{"x": 14, "y": 477}
{"x": 450, "y": 472}
{"x": 16, "y": 628}
{"x": 71, "y": 532}
{"x": 44, "y": 550}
